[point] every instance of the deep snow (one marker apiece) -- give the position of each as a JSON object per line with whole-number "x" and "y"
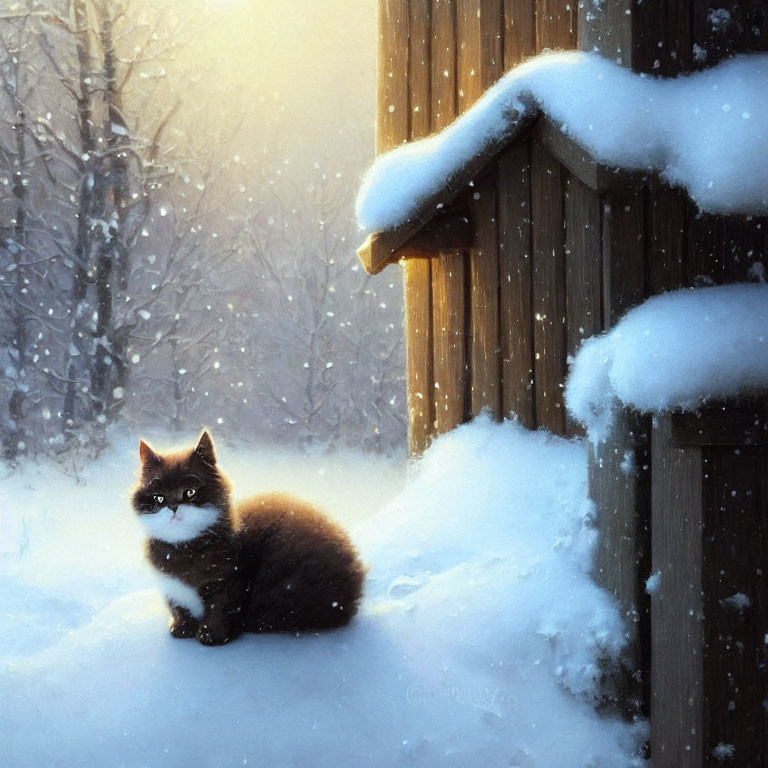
{"x": 476, "y": 644}
{"x": 706, "y": 132}
{"x": 673, "y": 352}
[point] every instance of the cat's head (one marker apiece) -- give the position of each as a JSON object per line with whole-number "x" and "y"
{"x": 180, "y": 495}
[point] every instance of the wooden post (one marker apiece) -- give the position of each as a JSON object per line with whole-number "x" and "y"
{"x": 709, "y": 674}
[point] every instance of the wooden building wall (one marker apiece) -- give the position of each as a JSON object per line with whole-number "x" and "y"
{"x": 555, "y": 260}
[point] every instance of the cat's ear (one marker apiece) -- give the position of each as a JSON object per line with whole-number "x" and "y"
{"x": 204, "y": 448}
{"x": 148, "y": 457}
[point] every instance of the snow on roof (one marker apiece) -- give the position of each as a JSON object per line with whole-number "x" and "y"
{"x": 673, "y": 352}
{"x": 706, "y": 132}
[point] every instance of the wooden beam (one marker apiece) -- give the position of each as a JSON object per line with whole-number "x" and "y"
{"x": 451, "y": 231}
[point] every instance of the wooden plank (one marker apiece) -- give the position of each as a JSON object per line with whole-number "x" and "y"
{"x": 479, "y": 63}
{"x": 417, "y": 268}
{"x": 715, "y": 37}
{"x": 556, "y": 24}
{"x": 677, "y": 632}
{"x": 392, "y": 80}
{"x": 480, "y": 48}
{"x": 519, "y": 31}
{"x": 620, "y": 486}
{"x": 709, "y": 614}
{"x": 661, "y": 37}
{"x": 732, "y": 423}
{"x": 515, "y": 294}
{"x": 580, "y": 163}
{"x": 448, "y": 269}
{"x": 623, "y": 254}
{"x": 734, "y": 556}
{"x": 606, "y": 28}
{"x": 420, "y": 67}
{"x": 706, "y": 249}
{"x": 744, "y": 246}
{"x": 449, "y": 324}
{"x": 667, "y": 231}
{"x": 485, "y": 347}
{"x": 418, "y": 355}
{"x": 443, "y": 76}
{"x": 548, "y": 289}
{"x": 583, "y": 268}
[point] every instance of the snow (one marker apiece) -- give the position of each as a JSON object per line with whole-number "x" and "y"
{"x": 477, "y": 643}
{"x": 653, "y": 582}
{"x": 673, "y": 352}
{"x": 706, "y": 132}
{"x": 738, "y": 601}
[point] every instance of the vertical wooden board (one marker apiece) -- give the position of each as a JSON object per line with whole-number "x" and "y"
{"x": 583, "y": 268}
{"x": 448, "y": 269}
{"x": 450, "y": 366}
{"x": 392, "y": 79}
{"x": 667, "y": 237}
{"x": 619, "y": 475}
{"x": 607, "y": 29}
{"x": 623, "y": 254}
{"x": 443, "y": 63}
{"x": 661, "y": 37}
{"x": 556, "y": 24}
{"x": 418, "y": 332}
{"x": 677, "y": 632}
{"x": 519, "y": 31}
{"x": 716, "y": 36}
{"x": 485, "y": 348}
{"x": 420, "y": 67}
{"x": 417, "y": 268}
{"x": 514, "y": 226}
{"x": 548, "y": 289}
{"x": 706, "y": 249}
{"x": 478, "y": 24}
{"x": 735, "y": 555}
{"x": 480, "y": 48}
{"x": 744, "y": 248}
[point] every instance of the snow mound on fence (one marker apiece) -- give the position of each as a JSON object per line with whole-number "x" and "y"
{"x": 477, "y": 643}
{"x": 706, "y": 132}
{"x": 673, "y": 352}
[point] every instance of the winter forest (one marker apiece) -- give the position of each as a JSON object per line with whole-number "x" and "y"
{"x": 178, "y": 242}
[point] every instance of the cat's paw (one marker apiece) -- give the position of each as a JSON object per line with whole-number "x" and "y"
{"x": 208, "y": 637}
{"x": 183, "y": 629}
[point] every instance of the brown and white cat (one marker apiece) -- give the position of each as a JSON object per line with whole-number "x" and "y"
{"x": 270, "y": 563}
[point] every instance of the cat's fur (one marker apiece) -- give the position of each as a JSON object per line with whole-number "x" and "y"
{"x": 268, "y": 563}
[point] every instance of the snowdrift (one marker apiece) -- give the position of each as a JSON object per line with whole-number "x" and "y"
{"x": 476, "y": 645}
{"x": 673, "y": 352}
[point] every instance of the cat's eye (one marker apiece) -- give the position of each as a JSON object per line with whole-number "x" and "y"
{"x": 190, "y": 493}
{"x": 159, "y": 498}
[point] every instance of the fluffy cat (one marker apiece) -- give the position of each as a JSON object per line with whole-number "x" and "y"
{"x": 269, "y": 563}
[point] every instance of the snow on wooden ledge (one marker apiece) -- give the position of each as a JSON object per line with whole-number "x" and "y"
{"x": 673, "y": 352}
{"x": 706, "y": 132}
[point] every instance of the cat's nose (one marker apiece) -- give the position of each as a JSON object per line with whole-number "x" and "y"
{"x": 173, "y": 507}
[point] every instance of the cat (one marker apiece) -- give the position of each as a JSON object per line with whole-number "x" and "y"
{"x": 270, "y": 563}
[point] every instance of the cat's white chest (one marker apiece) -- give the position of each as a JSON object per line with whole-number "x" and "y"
{"x": 184, "y": 524}
{"x": 181, "y": 593}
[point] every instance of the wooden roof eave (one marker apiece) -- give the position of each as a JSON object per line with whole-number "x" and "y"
{"x": 441, "y": 224}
